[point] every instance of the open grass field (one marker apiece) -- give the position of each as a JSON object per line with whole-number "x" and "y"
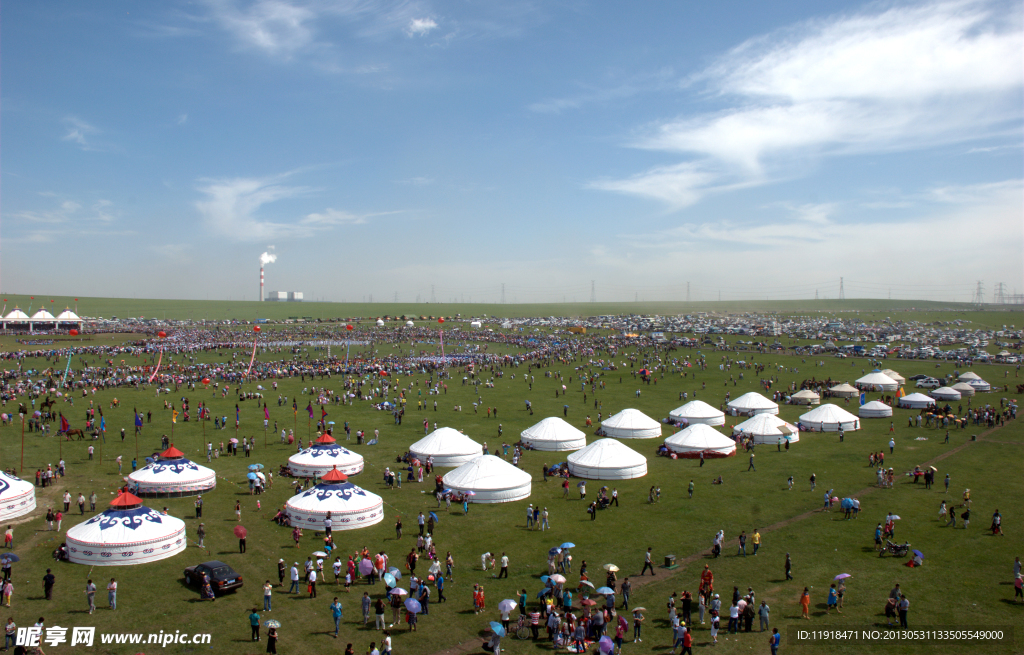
{"x": 873, "y": 309}
{"x": 966, "y": 582}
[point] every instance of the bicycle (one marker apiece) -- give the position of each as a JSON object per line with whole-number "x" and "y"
{"x": 522, "y": 628}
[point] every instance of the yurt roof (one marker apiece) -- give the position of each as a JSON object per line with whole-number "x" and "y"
{"x": 766, "y": 424}
{"x": 877, "y": 379}
{"x": 630, "y": 419}
{"x": 876, "y": 406}
{"x": 969, "y": 375}
{"x": 16, "y": 315}
{"x": 828, "y": 413}
{"x": 806, "y": 393}
{"x": 486, "y": 472}
{"x": 917, "y": 398}
{"x": 699, "y": 437}
{"x": 446, "y": 441}
{"x": 696, "y": 409}
{"x": 752, "y": 400}
{"x": 68, "y": 315}
{"x": 43, "y": 316}
{"x": 844, "y": 388}
{"x": 607, "y": 454}
{"x": 553, "y": 428}
{"x": 894, "y": 375}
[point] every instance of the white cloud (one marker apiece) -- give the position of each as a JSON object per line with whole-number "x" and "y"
{"x": 232, "y": 207}
{"x": 274, "y": 26}
{"x": 68, "y": 211}
{"x": 900, "y": 79}
{"x": 420, "y": 26}
{"x": 80, "y": 132}
{"x": 182, "y": 119}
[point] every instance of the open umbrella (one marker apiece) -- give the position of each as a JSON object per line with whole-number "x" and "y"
{"x": 934, "y": 469}
{"x": 252, "y": 476}
{"x": 894, "y": 517}
{"x": 587, "y": 583}
{"x": 554, "y": 551}
{"x": 240, "y": 532}
{"x": 232, "y": 440}
{"x": 319, "y": 553}
{"x": 507, "y": 605}
{"x": 255, "y": 467}
{"x": 581, "y": 483}
{"x": 272, "y": 623}
{"x": 587, "y": 602}
{"x": 542, "y": 594}
{"x": 842, "y": 576}
{"x": 606, "y": 645}
{"x": 365, "y": 567}
{"x": 389, "y": 580}
{"x": 604, "y": 591}
{"x": 395, "y": 572}
{"x": 610, "y": 567}
{"x": 398, "y": 591}
{"x": 497, "y": 628}
{"x": 545, "y": 578}
{"x": 9, "y": 557}
{"x": 919, "y": 554}
{"x": 568, "y": 544}
{"x": 558, "y": 578}
{"x": 639, "y": 609}
{"x": 434, "y": 516}
{"x": 413, "y": 605}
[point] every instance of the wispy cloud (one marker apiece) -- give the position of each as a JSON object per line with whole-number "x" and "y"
{"x": 79, "y": 132}
{"x": 274, "y": 26}
{"x": 182, "y": 119}
{"x": 900, "y": 79}
{"x": 420, "y": 26}
{"x": 68, "y": 211}
{"x": 589, "y": 94}
{"x": 232, "y": 209}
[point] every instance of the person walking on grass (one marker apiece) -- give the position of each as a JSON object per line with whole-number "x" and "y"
{"x": 336, "y": 615}
{"x": 112, "y": 593}
{"x": 805, "y": 604}
{"x": 648, "y": 562}
{"x": 254, "y": 623}
{"x": 90, "y": 595}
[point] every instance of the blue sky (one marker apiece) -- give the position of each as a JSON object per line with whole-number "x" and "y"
{"x": 421, "y": 148}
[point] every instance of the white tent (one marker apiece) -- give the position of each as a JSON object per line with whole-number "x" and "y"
{"x": 697, "y": 412}
{"x": 607, "y": 459}
{"x": 894, "y": 375}
{"x": 845, "y": 391}
{"x": 752, "y": 403}
{"x": 916, "y": 401}
{"x": 631, "y": 424}
{"x": 966, "y": 390}
{"x": 875, "y": 409}
{"x": 980, "y": 385}
{"x": 553, "y": 434}
{"x": 829, "y": 418}
{"x": 17, "y": 497}
{"x": 325, "y": 455}
{"x": 127, "y": 533}
{"x": 350, "y": 506}
{"x": 877, "y": 381}
{"x": 172, "y": 474}
{"x": 447, "y": 446}
{"x": 966, "y": 377}
{"x": 697, "y": 439}
{"x": 68, "y": 316}
{"x": 805, "y": 397}
{"x": 491, "y": 479}
{"x": 768, "y": 429}
{"x": 945, "y": 394}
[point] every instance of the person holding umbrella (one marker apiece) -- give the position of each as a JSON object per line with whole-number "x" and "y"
{"x": 272, "y": 636}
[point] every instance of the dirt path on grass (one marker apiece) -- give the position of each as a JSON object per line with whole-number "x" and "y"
{"x": 473, "y": 642}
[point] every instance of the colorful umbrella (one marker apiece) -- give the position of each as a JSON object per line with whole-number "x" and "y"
{"x": 497, "y": 628}
{"x": 558, "y": 578}
{"x": 398, "y": 591}
{"x": 365, "y": 567}
{"x": 606, "y": 645}
{"x": 919, "y": 554}
{"x": 240, "y": 532}
{"x": 255, "y": 467}
{"x": 319, "y": 553}
{"x": 252, "y": 476}
{"x": 272, "y": 623}
{"x": 9, "y": 557}
{"x": 611, "y": 567}
{"x": 587, "y": 583}
{"x": 605, "y": 591}
{"x": 413, "y": 605}
{"x": 587, "y": 602}
{"x": 842, "y": 576}
{"x": 568, "y": 544}
{"x": 395, "y": 572}
{"x": 389, "y": 580}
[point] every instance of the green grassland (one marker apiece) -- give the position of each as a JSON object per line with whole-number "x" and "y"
{"x": 869, "y": 309}
{"x": 966, "y": 581}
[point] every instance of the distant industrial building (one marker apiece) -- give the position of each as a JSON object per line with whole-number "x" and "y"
{"x": 284, "y": 296}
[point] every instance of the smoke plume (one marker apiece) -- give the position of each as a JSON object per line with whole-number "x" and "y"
{"x": 268, "y": 257}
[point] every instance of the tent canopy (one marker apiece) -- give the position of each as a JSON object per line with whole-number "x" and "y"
{"x": 631, "y": 424}
{"x": 830, "y": 418}
{"x": 492, "y": 479}
{"x": 766, "y": 428}
{"x": 698, "y": 411}
{"x": 553, "y": 433}
{"x": 607, "y": 459}
{"x": 875, "y": 409}
{"x": 753, "y": 403}
{"x": 879, "y": 381}
{"x": 447, "y": 446}
{"x": 845, "y": 390}
{"x": 698, "y": 439}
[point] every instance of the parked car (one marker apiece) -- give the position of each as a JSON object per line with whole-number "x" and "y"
{"x": 222, "y": 577}
{"x": 928, "y": 383}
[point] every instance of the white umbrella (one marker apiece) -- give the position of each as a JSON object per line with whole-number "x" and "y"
{"x": 610, "y": 567}
{"x": 507, "y": 605}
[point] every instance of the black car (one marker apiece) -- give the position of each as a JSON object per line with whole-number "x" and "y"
{"x": 222, "y": 577}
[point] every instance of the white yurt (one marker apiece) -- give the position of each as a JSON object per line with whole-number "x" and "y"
{"x": 698, "y": 412}
{"x": 980, "y": 385}
{"x": 631, "y": 424}
{"x": 491, "y": 480}
{"x": 553, "y": 433}
{"x": 126, "y": 533}
{"x": 968, "y": 376}
{"x": 752, "y": 403}
{"x": 350, "y": 506}
{"x": 875, "y": 409}
{"x": 448, "y": 447}
{"x": 766, "y": 428}
{"x": 17, "y": 496}
{"x": 607, "y": 459}
{"x": 916, "y": 401}
{"x": 877, "y": 381}
{"x": 966, "y": 390}
{"x": 844, "y": 391}
{"x": 945, "y": 394}
{"x": 805, "y": 397}
{"x": 325, "y": 455}
{"x": 380, "y": 322}
{"x": 829, "y": 418}
{"x": 697, "y": 439}
{"x": 172, "y": 474}
{"x": 894, "y": 375}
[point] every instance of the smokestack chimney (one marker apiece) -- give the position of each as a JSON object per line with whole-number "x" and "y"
{"x": 261, "y": 284}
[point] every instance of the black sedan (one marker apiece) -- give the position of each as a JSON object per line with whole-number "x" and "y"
{"x": 222, "y": 577}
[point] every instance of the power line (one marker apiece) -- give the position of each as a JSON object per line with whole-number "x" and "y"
{"x": 593, "y": 293}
